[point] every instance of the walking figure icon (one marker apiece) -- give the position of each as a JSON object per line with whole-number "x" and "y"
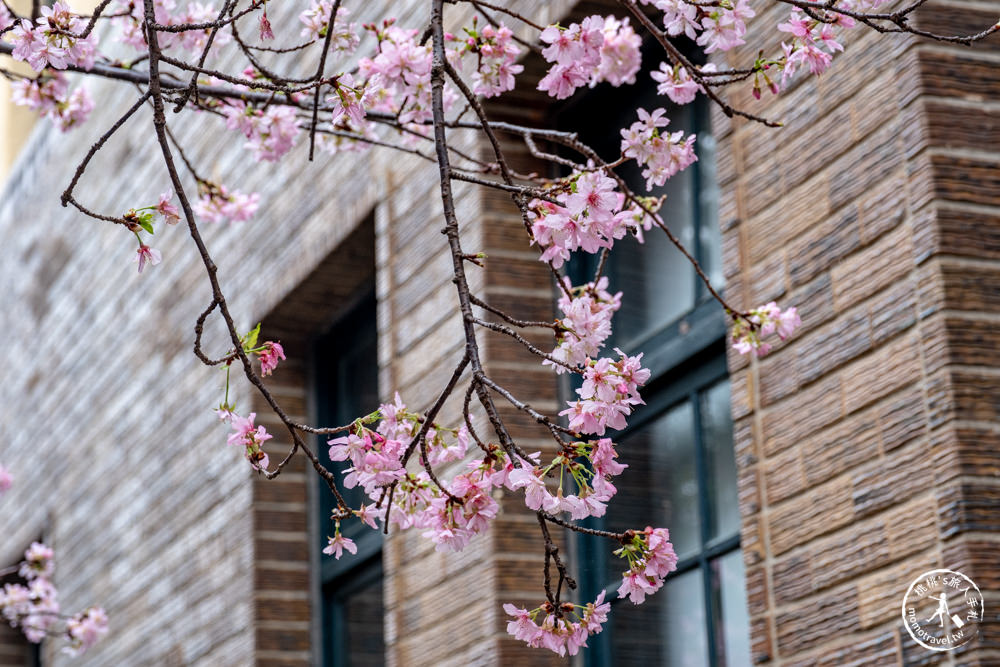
{"x": 942, "y": 608}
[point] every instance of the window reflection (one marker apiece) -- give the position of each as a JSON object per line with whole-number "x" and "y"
{"x": 681, "y": 475}
{"x": 347, "y": 387}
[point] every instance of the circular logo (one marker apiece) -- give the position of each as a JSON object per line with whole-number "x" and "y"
{"x": 942, "y": 610}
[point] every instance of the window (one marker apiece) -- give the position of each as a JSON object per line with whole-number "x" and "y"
{"x": 681, "y": 475}
{"x": 346, "y": 387}
{"x": 682, "y": 470}
{"x": 15, "y": 649}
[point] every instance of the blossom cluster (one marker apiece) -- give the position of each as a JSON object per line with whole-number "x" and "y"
{"x": 650, "y": 557}
{"x": 662, "y": 154}
{"x": 130, "y": 19}
{"x": 54, "y": 40}
{"x": 589, "y": 464}
{"x": 315, "y": 18}
{"x": 401, "y": 72}
{"x": 563, "y": 631}
{"x": 34, "y": 606}
{"x": 719, "y": 26}
{"x": 495, "y": 55}
{"x": 586, "y": 53}
{"x": 807, "y": 36}
{"x": 586, "y": 323}
{"x": 592, "y": 215}
{"x": 609, "y": 390}
{"x": 677, "y": 83}
{"x": 217, "y": 203}
{"x": 271, "y": 131}
{"x": 748, "y": 334}
{"x": 49, "y": 96}
{"x": 250, "y": 437}
{"x": 85, "y": 629}
{"x": 450, "y": 519}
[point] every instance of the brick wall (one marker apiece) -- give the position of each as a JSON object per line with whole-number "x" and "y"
{"x": 867, "y": 444}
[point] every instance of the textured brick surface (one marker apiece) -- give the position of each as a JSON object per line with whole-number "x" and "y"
{"x": 867, "y": 445}
{"x": 874, "y": 428}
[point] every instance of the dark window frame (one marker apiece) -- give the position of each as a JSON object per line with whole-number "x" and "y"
{"x": 691, "y": 382}
{"x": 686, "y": 357}
{"x": 352, "y": 330}
{"x": 33, "y": 650}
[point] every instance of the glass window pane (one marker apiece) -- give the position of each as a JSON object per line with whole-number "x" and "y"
{"x": 660, "y": 486}
{"x": 709, "y": 233}
{"x": 636, "y": 631}
{"x": 720, "y": 460}
{"x": 677, "y": 488}
{"x": 657, "y": 282}
{"x": 354, "y": 618}
{"x": 684, "y": 626}
{"x": 363, "y": 617}
{"x": 734, "y": 641}
{"x": 669, "y": 628}
{"x": 347, "y": 388}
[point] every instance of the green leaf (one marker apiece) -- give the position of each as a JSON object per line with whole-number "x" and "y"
{"x": 251, "y": 339}
{"x": 146, "y": 222}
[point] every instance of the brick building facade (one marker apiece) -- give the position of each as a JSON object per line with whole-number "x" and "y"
{"x": 866, "y": 448}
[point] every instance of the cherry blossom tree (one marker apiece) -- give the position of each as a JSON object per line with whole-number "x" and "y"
{"x": 413, "y": 88}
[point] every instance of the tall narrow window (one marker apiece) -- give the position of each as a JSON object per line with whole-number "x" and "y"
{"x": 15, "y": 649}
{"x": 682, "y": 471}
{"x": 346, "y": 387}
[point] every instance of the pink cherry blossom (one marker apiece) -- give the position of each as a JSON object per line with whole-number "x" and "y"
{"x": 608, "y": 392}
{"x": 269, "y": 357}
{"x": 576, "y": 56}
{"x": 494, "y": 54}
{"x": 5, "y": 480}
{"x": 586, "y": 321}
{"x": 651, "y": 557}
{"x": 367, "y": 514}
{"x": 53, "y": 41}
{"x": 563, "y": 632}
{"x": 245, "y": 434}
{"x": 219, "y": 204}
{"x": 663, "y": 154}
{"x": 620, "y": 53}
{"x": 171, "y": 215}
{"x": 522, "y": 627}
{"x": 146, "y": 254}
{"x": 725, "y": 28}
{"x": 562, "y": 80}
{"x": 604, "y": 456}
{"x": 748, "y": 334}
{"x": 85, "y": 629}
{"x": 349, "y": 100}
{"x": 636, "y": 586}
{"x": 270, "y": 132}
{"x": 49, "y": 95}
{"x": 536, "y": 496}
{"x": 337, "y": 545}
{"x": 677, "y": 83}
{"x": 344, "y": 39}
{"x": 38, "y": 562}
{"x": 266, "y": 33}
